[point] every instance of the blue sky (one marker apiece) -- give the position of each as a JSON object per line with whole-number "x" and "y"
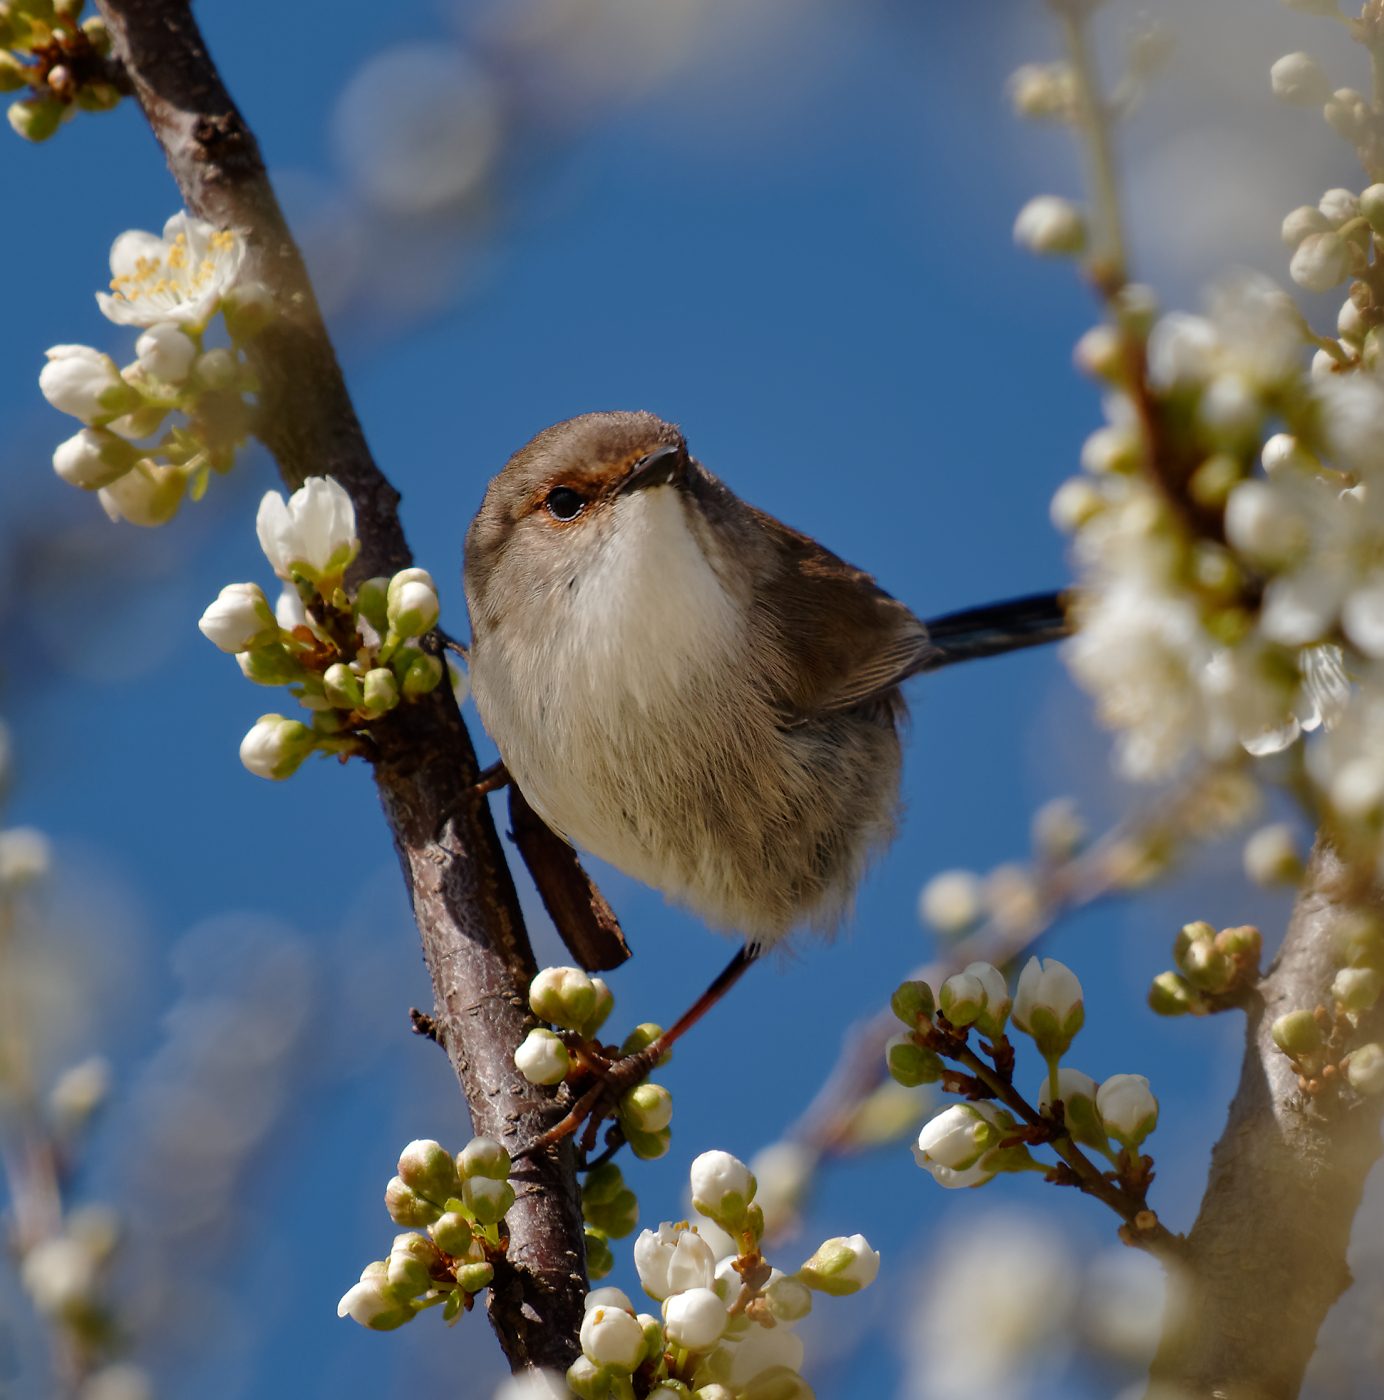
{"x": 797, "y": 246}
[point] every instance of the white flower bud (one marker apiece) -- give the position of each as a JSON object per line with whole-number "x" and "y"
{"x": 59, "y": 1274}
{"x": 647, "y": 1108}
{"x": 842, "y": 1265}
{"x": 1127, "y": 1108}
{"x": 608, "y": 1297}
{"x": 239, "y": 619}
{"x": 542, "y": 1058}
{"x": 412, "y": 603}
{"x": 952, "y": 1145}
{"x": 275, "y": 746}
{"x": 1074, "y": 503}
{"x": 722, "y": 1187}
{"x": 93, "y": 458}
{"x": 486, "y": 1198}
{"x": 1182, "y": 350}
{"x": 1337, "y": 206}
{"x": 1112, "y": 450}
{"x": 1271, "y": 855}
{"x": 612, "y": 1337}
{"x": 1371, "y": 203}
{"x": 695, "y": 1319}
{"x": 1048, "y": 1005}
{"x": 951, "y": 901}
{"x": 1100, "y": 352}
{"x": 166, "y": 353}
{"x": 1305, "y": 219}
{"x": 1365, "y": 1069}
{"x": 1229, "y": 408}
{"x": 147, "y": 495}
{"x": 313, "y": 534}
{"x": 789, "y": 1299}
{"x": 1282, "y": 453}
{"x": 1261, "y": 524}
{"x": 1050, "y": 225}
{"x": 484, "y": 1156}
{"x": 1298, "y": 78}
{"x": 1321, "y": 261}
{"x": 85, "y": 383}
{"x": 1350, "y": 322}
{"x": 1041, "y": 90}
{"x": 371, "y": 1303}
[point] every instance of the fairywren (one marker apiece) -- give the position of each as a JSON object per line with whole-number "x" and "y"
{"x": 689, "y": 689}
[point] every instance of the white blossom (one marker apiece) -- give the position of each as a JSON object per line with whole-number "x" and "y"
{"x": 672, "y": 1259}
{"x": 147, "y": 495}
{"x": 180, "y": 277}
{"x": 239, "y": 619}
{"x": 313, "y": 534}
{"x": 694, "y": 1318}
{"x": 1048, "y": 1004}
{"x": 86, "y": 384}
{"x": 368, "y": 1301}
{"x": 93, "y": 458}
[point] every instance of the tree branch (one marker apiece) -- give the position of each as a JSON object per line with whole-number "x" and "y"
{"x": 474, "y": 941}
{"x": 1266, "y": 1258}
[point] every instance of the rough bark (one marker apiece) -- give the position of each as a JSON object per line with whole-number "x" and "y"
{"x": 473, "y": 936}
{"x": 1267, "y": 1256}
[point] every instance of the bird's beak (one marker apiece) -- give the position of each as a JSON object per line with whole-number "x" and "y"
{"x": 661, "y": 467}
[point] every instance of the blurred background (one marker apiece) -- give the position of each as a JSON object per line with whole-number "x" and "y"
{"x": 785, "y": 225}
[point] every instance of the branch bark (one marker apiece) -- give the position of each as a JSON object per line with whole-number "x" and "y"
{"x": 474, "y": 942}
{"x": 1267, "y": 1256}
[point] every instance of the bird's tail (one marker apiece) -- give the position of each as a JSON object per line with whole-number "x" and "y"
{"x": 996, "y": 628}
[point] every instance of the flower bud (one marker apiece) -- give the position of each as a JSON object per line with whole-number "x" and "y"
{"x": 487, "y": 1199}
{"x": 1357, "y": 988}
{"x": 563, "y": 996}
{"x": 1347, "y": 114}
{"x": 1127, "y": 1108}
{"x": 217, "y": 370}
{"x": 451, "y": 1233}
{"x": 81, "y": 1089}
{"x": 912, "y": 1003}
{"x": 695, "y": 1319}
{"x": 599, "y": 1260}
{"x": 247, "y": 308}
{"x": 605, "y": 1004}
{"x": 1100, "y": 353}
{"x": 649, "y": 1147}
{"x": 953, "y": 1143}
{"x": 342, "y": 687}
{"x": 1272, "y": 857}
{"x": 147, "y": 495}
{"x": 1320, "y": 262}
{"x": 411, "y": 602}
{"x": 1297, "y": 1033}
{"x": 379, "y": 691}
{"x": 951, "y": 901}
{"x": 842, "y": 1265}
{"x": 1075, "y": 503}
{"x": 1048, "y": 1005}
{"x": 774, "y": 1383}
{"x": 239, "y": 619}
{"x": 1262, "y": 524}
{"x": 427, "y": 1168}
{"x": 1371, "y": 203}
{"x": 93, "y": 458}
{"x": 86, "y": 384}
{"x": 1050, "y": 225}
{"x": 962, "y": 998}
{"x": 274, "y": 664}
{"x": 483, "y": 1156}
{"x": 424, "y": 675}
{"x": 612, "y": 1337}
{"x": 275, "y": 746}
{"x": 373, "y": 1304}
{"x": 542, "y": 1058}
{"x": 166, "y": 352}
{"x": 1365, "y": 1069}
{"x": 722, "y": 1188}
{"x": 647, "y": 1108}
{"x": 472, "y": 1277}
{"x": 789, "y": 1299}
{"x": 616, "y": 1217}
{"x": 641, "y": 1037}
{"x": 410, "y": 1265}
{"x": 406, "y": 1206}
{"x": 587, "y": 1380}
{"x": 37, "y": 118}
{"x": 1305, "y": 219}
{"x": 912, "y": 1064}
{"x": 1078, "y": 1094}
{"x": 1114, "y": 450}
{"x": 1298, "y": 78}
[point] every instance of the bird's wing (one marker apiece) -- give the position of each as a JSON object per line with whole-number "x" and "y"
{"x": 854, "y": 642}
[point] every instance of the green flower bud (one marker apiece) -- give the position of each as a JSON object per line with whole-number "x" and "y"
{"x": 487, "y": 1199}
{"x": 37, "y": 118}
{"x": 406, "y": 1206}
{"x": 564, "y": 996}
{"x": 647, "y": 1108}
{"x": 410, "y": 1265}
{"x": 912, "y": 1002}
{"x": 1048, "y": 1005}
{"x": 911, "y": 1064}
{"x": 641, "y": 1037}
{"x": 1244, "y": 943}
{"x": 649, "y": 1146}
{"x": 842, "y": 1265}
{"x": 341, "y": 686}
{"x": 451, "y": 1233}
{"x": 588, "y": 1381}
{"x": 483, "y": 1156}
{"x": 1207, "y": 968}
{"x": 379, "y": 691}
{"x": 1357, "y": 988}
{"x": 1297, "y": 1033}
{"x": 471, "y": 1278}
{"x": 274, "y": 664}
{"x": 602, "y": 1185}
{"x": 14, "y": 74}
{"x": 370, "y": 603}
{"x": 789, "y": 1299}
{"x": 427, "y": 1168}
{"x": 599, "y": 1259}
{"x": 775, "y": 1383}
{"x": 1172, "y": 995}
{"x": 1365, "y": 1069}
{"x": 615, "y": 1218}
{"x": 1189, "y": 935}
{"x": 605, "y": 1004}
{"x": 423, "y": 676}
{"x": 962, "y": 999}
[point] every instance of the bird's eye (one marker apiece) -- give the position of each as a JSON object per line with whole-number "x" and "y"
{"x": 563, "y": 503}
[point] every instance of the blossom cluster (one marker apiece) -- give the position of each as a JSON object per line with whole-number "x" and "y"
{"x": 461, "y": 1203}
{"x": 969, "y": 1143}
{"x": 1228, "y": 524}
{"x": 725, "y": 1327}
{"x": 155, "y": 431}
{"x": 61, "y": 61}
{"x": 350, "y": 656}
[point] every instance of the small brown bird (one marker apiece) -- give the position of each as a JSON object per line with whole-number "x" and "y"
{"x": 689, "y": 689}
